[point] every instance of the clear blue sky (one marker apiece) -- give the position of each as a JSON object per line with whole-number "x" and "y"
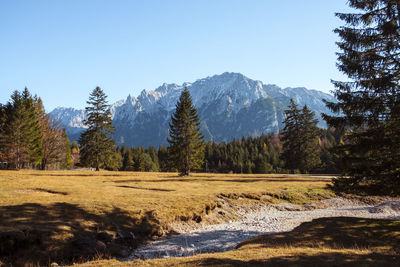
{"x": 61, "y": 50}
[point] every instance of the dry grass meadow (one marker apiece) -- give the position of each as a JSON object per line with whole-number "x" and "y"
{"x": 53, "y": 208}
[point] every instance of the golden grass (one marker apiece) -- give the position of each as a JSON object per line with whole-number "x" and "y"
{"x": 164, "y": 193}
{"x": 58, "y": 206}
{"x": 322, "y": 242}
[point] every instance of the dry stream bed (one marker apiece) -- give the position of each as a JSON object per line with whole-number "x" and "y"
{"x": 268, "y": 219}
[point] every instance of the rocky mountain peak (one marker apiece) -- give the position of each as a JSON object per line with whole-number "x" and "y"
{"x": 230, "y": 105}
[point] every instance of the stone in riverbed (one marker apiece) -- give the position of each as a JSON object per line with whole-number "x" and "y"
{"x": 386, "y": 207}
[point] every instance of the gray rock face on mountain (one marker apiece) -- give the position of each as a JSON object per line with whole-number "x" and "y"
{"x": 230, "y": 106}
{"x": 71, "y": 119}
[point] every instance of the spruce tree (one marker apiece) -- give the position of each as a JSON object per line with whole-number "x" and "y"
{"x": 96, "y": 146}
{"x": 32, "y": 130}
{"x": 300, "y": 139}
{"x": 309, "y": 135}
{"x": 186, "y": 141}
{"x": 67, "y": 161}
{"x": 154, "y": 158}
{"x": 12, "y": 140}
{"x": 113, "y": 161}
{"x": 127, "y": 163}
{"x": 291, "y": 140}
{"x": 21, "y": 136}
{"x": 368, "y": 107}
{"x": 163, "y": 158}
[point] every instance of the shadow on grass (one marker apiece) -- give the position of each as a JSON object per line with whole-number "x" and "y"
{"x": 150, "y": 189}
{"x": 51, "y": 191}
{"x": 336, "y": 232}
{"x": 207, "y": 178}
{"x": 320, "y": 259}
{"x": 38, "y": 234}
{"x": 71, "y": 173}
{"x": 380, "y": 237}
{"x": 240, "y": 180}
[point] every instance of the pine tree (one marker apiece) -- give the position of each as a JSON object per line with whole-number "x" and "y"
{"x": 185, "y": 138}
{"x": 300, "y": 139}
{"x": 291, "y": 140}
{"x": 67, "y": 161}
{"x": 155, "y": 167}
{"x": 28, "y": 138}
{"x": 309, "y": 146}
{"x": 21, "y": 136}
{"x": 163, "y": 158}
{"x": 113, "y": 160}
{"x": 127, "y": 162}
{"x": 368, "y": 104}
{"x": 12, "y": 139}
{"x": 96, "y": 146}
{"x": 32, "y": 130}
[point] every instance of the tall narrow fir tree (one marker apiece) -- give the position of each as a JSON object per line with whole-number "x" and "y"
{"x": 300, "y": 139}
{"x": 96, "y": 146}
{"x": 186, "y": 141}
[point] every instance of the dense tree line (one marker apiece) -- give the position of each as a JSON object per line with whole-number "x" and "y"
{"x": 261, "y": 154}
{"x": 248, "y": 155}
{"x": 28, "y": 138}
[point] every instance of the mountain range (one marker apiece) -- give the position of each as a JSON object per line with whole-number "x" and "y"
{"x": 230, "y": 106}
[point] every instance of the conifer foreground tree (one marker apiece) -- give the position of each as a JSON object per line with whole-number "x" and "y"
{"x": 20, "y": 134}
{"x": 186, "y": 141}
{"x": 28, "y": 139}
{"x": 291, "y": 140}
{"x": 310, "y": 135}
{"x": 97, "y": 149}
{"x": 300, "y": 139}
{"x": 369, "y": 103}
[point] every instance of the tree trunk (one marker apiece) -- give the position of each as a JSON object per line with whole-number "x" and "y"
{"x": 43, "y": 164}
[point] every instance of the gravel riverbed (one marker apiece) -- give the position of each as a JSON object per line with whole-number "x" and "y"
{"x": 267, "y": 220}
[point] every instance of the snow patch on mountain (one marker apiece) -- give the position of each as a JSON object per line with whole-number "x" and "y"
{"x": 69, "y": 117}
{"x": 230, "y": 105}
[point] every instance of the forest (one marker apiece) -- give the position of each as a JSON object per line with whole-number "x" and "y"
{"x": 249, "y": 155}
{"x": 30, "y": 140}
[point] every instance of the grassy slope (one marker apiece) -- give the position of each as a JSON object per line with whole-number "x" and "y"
{"x": 322, "y": 242}
{"x": 56, "y": 207}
